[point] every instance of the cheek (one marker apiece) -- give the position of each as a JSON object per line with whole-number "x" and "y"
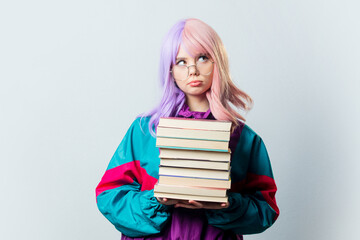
{"x": 180, "y": 85}
{"x": 210, "y": 81}
{"x": 208, "y": 87}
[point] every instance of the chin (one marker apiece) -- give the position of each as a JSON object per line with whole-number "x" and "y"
{"x": 195, "y": 93}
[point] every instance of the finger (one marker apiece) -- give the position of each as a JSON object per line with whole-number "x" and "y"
{"x": 162, "y": 201}
{"x": 225, "y": 204}
{"x": 185, "y": 206}
{"x": 210, "y": 205}
{"x": 195, "y": 203}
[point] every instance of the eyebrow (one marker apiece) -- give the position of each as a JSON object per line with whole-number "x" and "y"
{"x": 184, "y": 58}
{"x": 180, "y": 58}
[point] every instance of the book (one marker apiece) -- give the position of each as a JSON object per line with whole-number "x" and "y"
{"x": 191, "y": 197}
{"x": 190, "y": 123}
{"x": 198, "y": 155}
{"x": 194, "y": 164}
{"x": 188, "y": 190}
{"x": 194, "y": 173}
{"x": 196, "y": 182}
{"x": 162, "y": 142}
{"x": 193, "y": 134}
{"x": 194, "y": 159}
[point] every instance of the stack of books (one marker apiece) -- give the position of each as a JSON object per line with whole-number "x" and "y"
{"x": 194, "y": 159}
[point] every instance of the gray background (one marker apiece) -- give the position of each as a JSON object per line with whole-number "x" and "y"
{"x": 74, "y": 74}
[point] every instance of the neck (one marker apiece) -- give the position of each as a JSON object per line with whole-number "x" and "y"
{"x": 197, "y": 103}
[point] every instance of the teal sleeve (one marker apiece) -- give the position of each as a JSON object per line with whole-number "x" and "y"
{"x": 133, "y": 212}
{"x": 125, "y": 193}
{"x": 252, "y": 205}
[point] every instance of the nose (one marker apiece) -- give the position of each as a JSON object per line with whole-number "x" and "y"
{"x": 193, "y": 70}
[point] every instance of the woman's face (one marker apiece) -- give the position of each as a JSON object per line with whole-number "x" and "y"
{"x": 195, "y": 84}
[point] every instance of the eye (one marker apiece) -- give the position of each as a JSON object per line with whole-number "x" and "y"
{"x": 203, "y": 58}
{"x": 180, "y": 63}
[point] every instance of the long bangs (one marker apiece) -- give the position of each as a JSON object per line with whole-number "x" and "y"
{"x": 197, "y": 37}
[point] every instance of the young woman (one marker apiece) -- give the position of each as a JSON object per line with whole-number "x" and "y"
{"x": 195, "y": 75}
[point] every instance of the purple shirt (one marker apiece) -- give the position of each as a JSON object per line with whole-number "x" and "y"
{"x": 190, "y": 224}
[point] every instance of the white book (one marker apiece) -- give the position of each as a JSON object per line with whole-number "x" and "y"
{"x": 195, "y": 155}
{"x": 191, "y": 197}
{"x": 192, "y": 144}
{"x": 190, "y": 123}
{"x": 197, "y": 182}
{"x": 186, "y": 163}
{"x": 199, "y": 191}
{"x": 195, "y": 173}
{"x": 192, "y": 134}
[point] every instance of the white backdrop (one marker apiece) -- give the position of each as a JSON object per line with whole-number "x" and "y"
{"x": 74, "y": 74}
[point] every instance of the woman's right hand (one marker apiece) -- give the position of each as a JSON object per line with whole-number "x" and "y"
{"x": 167, "y": 201}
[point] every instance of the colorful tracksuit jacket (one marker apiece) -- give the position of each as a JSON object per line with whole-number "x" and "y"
{"x": 125, "y": 193}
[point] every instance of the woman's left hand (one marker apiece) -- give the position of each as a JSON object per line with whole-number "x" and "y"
{"x": 197, "y": 205}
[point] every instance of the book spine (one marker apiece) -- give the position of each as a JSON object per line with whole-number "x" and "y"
{"x": 194, "y": 173}
{"x": 211, "y": 192}
{"x": 214, "y": 125}
{"x": 195, "y": 155}
{"x": 190, "y": 143}
{"x": 201, "y": 164}
{"x": 208, "y": 135}
{"x": 197, "y": 182}
{"x": 191, "y": 197}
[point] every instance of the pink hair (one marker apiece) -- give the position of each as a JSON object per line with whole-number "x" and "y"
{"x": 198, "y": 37}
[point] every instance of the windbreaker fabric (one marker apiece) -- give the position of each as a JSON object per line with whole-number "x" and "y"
{"x": 125, "y": 193}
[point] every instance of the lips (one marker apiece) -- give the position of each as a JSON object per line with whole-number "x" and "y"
{"x": 194, "y": 83}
